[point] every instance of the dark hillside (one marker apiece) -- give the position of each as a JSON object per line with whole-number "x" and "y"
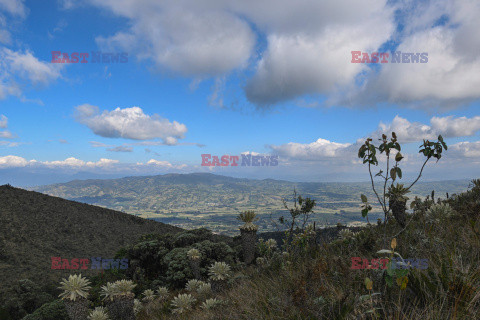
{"x": 34, "y": 227}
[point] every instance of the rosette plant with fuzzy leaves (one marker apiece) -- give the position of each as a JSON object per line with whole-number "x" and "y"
{"x": 162, "y": 293}
{"x": 249, "y": 235}
{"x": 211, "y": 303}
{"x": 192, "y": 285}
{"x": 204, "y": 290}
{"x": 219, "y": 273}
{"x": 74, "y": 295}
{"x": 98, "y": 314}
{"x": 183, "y": 303}
{"x": 195, "y": 257}
{"x": 397, "y": 202}
{"x": 121, "y": 306}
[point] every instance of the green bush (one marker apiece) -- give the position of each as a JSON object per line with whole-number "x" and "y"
{"x": 50, "y": 311}
{"x": 161, "y": 259}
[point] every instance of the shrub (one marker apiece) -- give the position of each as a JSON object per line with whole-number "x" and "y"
{"x": 54, "y": 310}
{"x": 391, "y": 148}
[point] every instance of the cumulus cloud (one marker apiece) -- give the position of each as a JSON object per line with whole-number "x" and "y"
{"x": 317, "y": 150}
{"x": 192, "y": 38}
{"x": 449, "y": 78}
{"x": 310, "y": 54}
{"x": 159, "y": 163}
{"x": 102, "y": 166}
{"x": 18, "y": 69}
{"x": 308, "y": 44}
{"x": 77, "y": 163}
{"x": 456, "y": 127}
{"x": 448, "y": 127}
{"x": 29, "y": 67}
{"x": 14, "y": 162}
{"x": 467, "y": 150}
{"x": 406, "y": 131}
{"x": 129, "y": 123}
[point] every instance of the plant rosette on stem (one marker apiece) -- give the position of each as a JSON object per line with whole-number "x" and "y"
{"x": 397, "y": 201}
{"x": 249, "y": 235}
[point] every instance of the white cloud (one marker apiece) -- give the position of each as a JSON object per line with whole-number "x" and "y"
{"x": 13, "y": 162}
{"x": 6, "y": 134}
{"x": 29, "y": 67}
{"x": 17, "y": 70}
{"x": 159, "y": 163}
{"x": 449, "y": 78}
{"x": 120, "y": 149}
{"x": 456, "y": 127}
{"x": 192, "y": 38}
{"x": 77, "y": 163}
{"x": 9, "y": 143}
{"x": 14, "y": 7}
{"x": 448, "y": 127}
{"x": 129, "y": 123}
{"x": 97, "y": 144}
{"x": 20, "y": 69}
{"x": 308, "y": 45}
{"x": 337, "y": 154}
{"x": 3, "y": 122}
{"x": 103, "y": 165}
{"x": 310, "y": 54}
{"x": 317, "y": 150}
{"x": 466, "y": 150}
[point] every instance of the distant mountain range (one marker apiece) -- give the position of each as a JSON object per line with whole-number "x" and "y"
{"x": 213, "y": 201}
{"x": 35, "y": 227}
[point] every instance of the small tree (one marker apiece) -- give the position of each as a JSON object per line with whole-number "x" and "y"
{"x": 395, "y": 194}
{"x": 302, "y": 210}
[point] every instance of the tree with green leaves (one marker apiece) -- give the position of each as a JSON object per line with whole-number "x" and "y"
{"x": 302, "y": 210}
{"x": 396, "y": 194}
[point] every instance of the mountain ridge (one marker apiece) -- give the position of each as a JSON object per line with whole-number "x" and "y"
{"x": 213, "y": 201}
{"x": 35, "y": 227}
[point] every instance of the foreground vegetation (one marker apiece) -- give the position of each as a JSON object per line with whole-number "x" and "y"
{"x": 305, "y": 279}
{"x": 360, "y": 274}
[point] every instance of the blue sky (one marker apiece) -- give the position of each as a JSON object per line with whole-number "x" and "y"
{"x": 228, "y": 77}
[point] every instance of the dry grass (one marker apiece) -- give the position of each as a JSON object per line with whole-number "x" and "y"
{"x": 318, "y": 282}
